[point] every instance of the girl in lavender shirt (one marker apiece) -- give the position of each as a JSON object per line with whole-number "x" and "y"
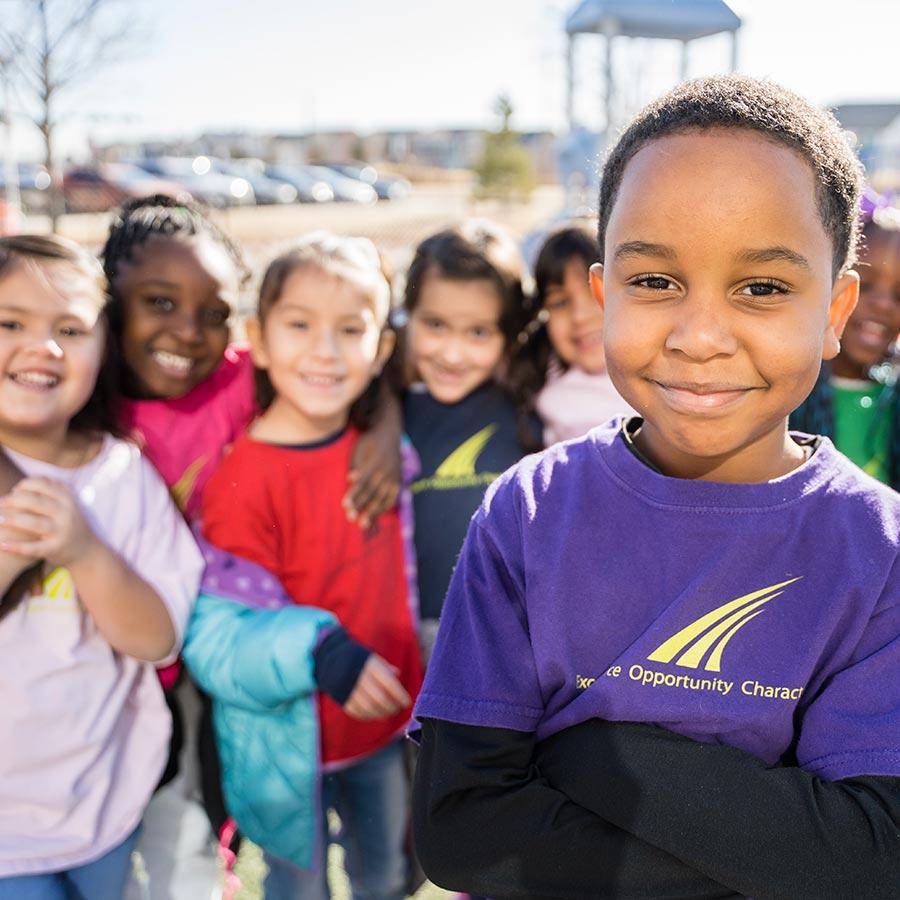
{"x": 84, "y": 726}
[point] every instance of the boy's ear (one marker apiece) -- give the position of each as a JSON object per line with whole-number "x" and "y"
{"x": 386, "y": 344}
{"x": 597, "y": 282}
{"x": 844, "y": 295}
{"x": 257, "y": 345}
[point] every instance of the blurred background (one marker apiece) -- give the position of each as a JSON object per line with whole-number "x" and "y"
{"x": 389, "y": 118}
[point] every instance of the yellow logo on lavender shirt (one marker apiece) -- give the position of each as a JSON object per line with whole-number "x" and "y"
{"x": 57, "y": 594}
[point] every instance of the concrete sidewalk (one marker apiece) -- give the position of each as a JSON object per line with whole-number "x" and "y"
{"x": 177, "y": 847}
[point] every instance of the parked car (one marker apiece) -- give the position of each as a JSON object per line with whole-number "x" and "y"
{"x": 309, "y": 188}
{"x": 195, "y": 175}
{"x": 348, "y": 189}
{"x": 388, "y": 187}
{"x": 34, "y": 183}
{"x": 265, "y": 189}
{"x": 97, "y": 188}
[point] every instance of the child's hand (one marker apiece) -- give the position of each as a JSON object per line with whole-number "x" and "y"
{"x": 11, "y": 564}
{"x": 377, "y": 693}
{"x": 49, "y": 522}
{"x": 374, "y": 474}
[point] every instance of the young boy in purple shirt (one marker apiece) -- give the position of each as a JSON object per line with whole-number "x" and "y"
{"x": 669, "y": 660}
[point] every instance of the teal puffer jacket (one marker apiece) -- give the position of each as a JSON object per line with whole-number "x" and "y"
{"x": 257, "y": 665}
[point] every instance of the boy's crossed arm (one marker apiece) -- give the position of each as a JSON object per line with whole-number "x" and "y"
{"x": 630, "y": 811}
{"x": 772, "y": 833}
{"x": 486, "y": 822}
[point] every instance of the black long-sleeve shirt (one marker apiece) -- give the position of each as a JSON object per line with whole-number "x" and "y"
{"x": 632, "y": 812}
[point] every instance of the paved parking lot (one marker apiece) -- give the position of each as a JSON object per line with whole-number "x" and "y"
{"x": 394, "y": 226}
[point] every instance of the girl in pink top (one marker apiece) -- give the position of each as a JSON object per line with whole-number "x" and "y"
{"x": 84, "y": 727}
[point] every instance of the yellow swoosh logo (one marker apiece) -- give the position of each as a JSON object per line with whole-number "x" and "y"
{"x": 714, "y": 630}
{"x": 461, "y": 462}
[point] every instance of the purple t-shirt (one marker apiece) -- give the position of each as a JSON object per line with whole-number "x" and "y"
{"x": 763, "y": 616}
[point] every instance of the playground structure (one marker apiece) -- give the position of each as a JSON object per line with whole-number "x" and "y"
{"x": 670, "y": 20}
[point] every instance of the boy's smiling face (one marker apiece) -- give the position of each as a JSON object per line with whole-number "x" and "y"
{"x": 719, "y": 301}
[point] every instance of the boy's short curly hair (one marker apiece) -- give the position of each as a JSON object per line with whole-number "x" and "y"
{"x": 736, "y": 101}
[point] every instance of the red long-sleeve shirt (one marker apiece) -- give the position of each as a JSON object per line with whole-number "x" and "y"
{"x": 281, "y": 507}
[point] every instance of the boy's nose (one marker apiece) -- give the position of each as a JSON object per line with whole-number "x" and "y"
{"x": 701, "y": 329}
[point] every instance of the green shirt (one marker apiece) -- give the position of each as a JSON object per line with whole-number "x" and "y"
{"x": 861, "y": 427}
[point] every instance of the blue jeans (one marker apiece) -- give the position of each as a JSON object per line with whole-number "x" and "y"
{"x": 372, "y": 800}
{"x": 102, "y": 879}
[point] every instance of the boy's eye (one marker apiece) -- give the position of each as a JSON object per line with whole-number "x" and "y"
{"x": 353, "y": 330}
{"x": 482, "y": 331}
{"x": 10, "y": 324}
{"x": 763, "y": 288}
{"x": 72, "y": 331}
{"x": 655, "y": 283}
{"x": 433, "y": 324}
{"x": 299, "y": 324}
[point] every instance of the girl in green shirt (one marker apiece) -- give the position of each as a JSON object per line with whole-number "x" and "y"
{"x": 856, "y": 401}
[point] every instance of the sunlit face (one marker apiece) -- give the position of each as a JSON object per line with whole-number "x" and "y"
{"x": 719, "y": 301}
{"x": 575, "y": 319}
{"x": 455, "y": 342}
{"x": 51, "y": 348}
{"x": 321, "y": 345}
{"x": 875, "y": 322}
{"x": 177, "y": 294}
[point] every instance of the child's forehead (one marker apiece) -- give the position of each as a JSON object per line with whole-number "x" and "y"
{"x": 180, "y": 245}
{"x": 328, "y": 289}
{"x": 57, "y": 287}
{"x": 185, "y": 250}
{"x": 667, "y": 155}
{"x": 701, "y": 184}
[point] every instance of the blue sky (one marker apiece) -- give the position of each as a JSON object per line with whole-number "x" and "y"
{"x": 297, "y": 66}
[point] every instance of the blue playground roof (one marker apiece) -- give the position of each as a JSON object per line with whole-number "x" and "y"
{"x": 683, "y": 20}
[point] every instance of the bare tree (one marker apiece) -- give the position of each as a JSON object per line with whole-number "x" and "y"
{"x": 505, "y": 169}
{"x": 54, "y": 45}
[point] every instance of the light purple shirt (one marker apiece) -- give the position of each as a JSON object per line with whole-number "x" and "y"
{"x": 84, "y": 731}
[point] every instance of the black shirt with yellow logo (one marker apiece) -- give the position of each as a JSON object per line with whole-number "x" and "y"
{"x": 462, "y": 448}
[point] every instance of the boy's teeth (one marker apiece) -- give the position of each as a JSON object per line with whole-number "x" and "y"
{"x": 171, "y": 361}
{"x": 39, "y": 378}
{"x": 321, "y": 379}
